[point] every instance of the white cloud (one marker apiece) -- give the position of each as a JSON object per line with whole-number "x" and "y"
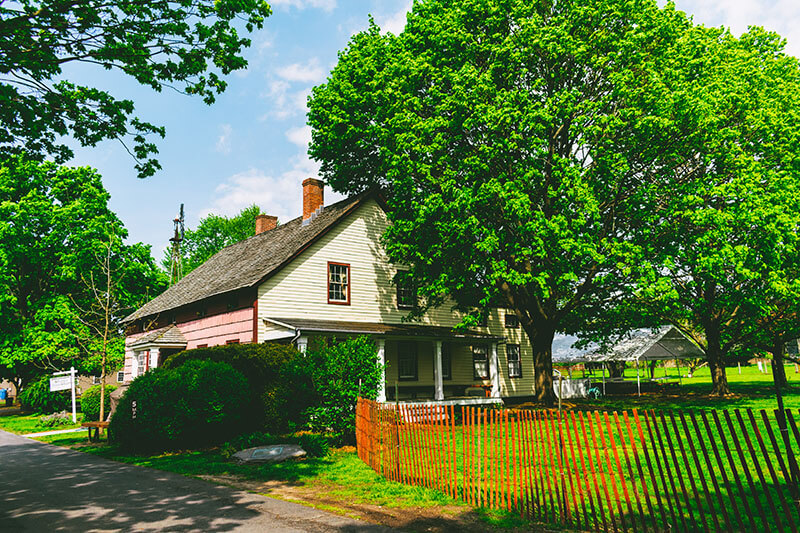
{"x": 781, "y": 16}
{"x": 306, "y": 72}
{"x": 326, "y": 5}
{"x": 394, "y": 22}
{"x": 279, "y": 195}
{"x": 300, "y": 136}
{"x": 285, "y": 102}
{"x": 224, "y": 141}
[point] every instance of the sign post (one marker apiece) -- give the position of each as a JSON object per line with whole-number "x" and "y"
{"x": 63, "y": 381}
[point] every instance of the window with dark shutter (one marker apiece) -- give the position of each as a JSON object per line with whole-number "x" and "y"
{"x": 480, "y": 362}
{"x": 514, "y": 361}
{"x": 407, "y": 361}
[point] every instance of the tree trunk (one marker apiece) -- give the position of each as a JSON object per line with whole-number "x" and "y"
{"x": 778, "y": 370}
{"x": 616, "y": 369}
{"x": 542, "y": 341}
{"x": 716, "y": 362}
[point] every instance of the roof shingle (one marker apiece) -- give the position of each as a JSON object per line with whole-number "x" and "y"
{"x": 246, "y": 263}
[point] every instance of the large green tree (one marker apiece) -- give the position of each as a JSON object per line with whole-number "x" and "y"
{"x": 186, "y": 45}
{"x": 721, "y": 230}
{"x": 212, "y": 234}
{"x": 511, "y": 137}
{"x": 56, "y": 236}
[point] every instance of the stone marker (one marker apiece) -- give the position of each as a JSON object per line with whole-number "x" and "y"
{"x": 270, "y": 454}
{"x": 115, "y": 397}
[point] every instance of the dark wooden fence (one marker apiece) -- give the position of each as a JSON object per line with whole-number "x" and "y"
{"x": 644, "y": 470}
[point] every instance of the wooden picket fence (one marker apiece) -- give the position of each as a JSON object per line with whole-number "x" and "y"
{"x": 644, "y": 470}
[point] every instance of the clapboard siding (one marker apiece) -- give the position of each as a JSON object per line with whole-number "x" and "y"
{"x": 299, "y": 290}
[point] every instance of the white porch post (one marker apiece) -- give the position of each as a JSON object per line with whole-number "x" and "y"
{"x": 638, "y": 381}
{"x": 494, "y": 371}
{"x": 302, "y": 344}
{"x": 382, "y": 362}
{"x": 154, "y": 353}
{"x": 439, "y": 387}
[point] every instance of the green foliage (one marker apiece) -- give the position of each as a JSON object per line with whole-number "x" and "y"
{"x": 90, "y": 402}
{"x": 509, "y": 136}
{"x": 314, "y": 444}
{"x": 54, "y": 222}
{"x": 62, "y": 418}
{"x": 214, "y": 233}
{"x": 340, "y": 372}
{"x": 196, "y": 404}
{"x": 277, "y": 395}
{"x": 544, "y": 155}
{"x": 174, "y": 44}
{"x": 38, "y": 398}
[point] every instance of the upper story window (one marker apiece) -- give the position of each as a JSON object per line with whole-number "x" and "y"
{"x": 338, "y": 283}
{"x": 512, "y": 320}
{"x": 406, "y": 293}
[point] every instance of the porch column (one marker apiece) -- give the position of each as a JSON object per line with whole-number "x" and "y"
{"x": 439, "y": 387}
{"x": 302, "y": 344}
{"x": 494, "y": 371}
{"x": 153, "y": 362}
{"x": 382, "y": 362}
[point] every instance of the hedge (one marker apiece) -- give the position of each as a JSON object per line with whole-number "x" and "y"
{"x": 278, "y": 394}
{"x": 90, "y": 402}
{"x": 194, "y": 405}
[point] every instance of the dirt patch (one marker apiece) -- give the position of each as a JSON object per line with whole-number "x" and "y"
{"x": 440, "y": 519}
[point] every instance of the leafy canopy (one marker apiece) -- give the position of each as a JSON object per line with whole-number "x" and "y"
{"x": 186, "y": 45}
{"x": 511, "y": 137}
{"x": 54, "y": 222}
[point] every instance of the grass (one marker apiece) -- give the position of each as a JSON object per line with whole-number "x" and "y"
{"x": 342, "y": 483}
{"x": 750, "y": 389}
{"x": 23, "y": 424}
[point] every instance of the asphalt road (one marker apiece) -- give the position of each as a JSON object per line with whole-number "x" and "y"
{"x": 44, "y": 488}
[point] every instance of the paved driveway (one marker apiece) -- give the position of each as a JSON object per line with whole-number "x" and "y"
{"x": 44, "y": 488}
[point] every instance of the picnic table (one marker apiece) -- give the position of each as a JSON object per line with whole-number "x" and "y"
{"x": 96, "y": 426}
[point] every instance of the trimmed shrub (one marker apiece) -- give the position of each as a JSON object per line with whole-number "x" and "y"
{"x": 90, "y": 402}
{"x": 277, "y": 391}
{"x": 314, "y": 444}
{"x": 38, "y": 398}
{"x": 340, "y": 371}
{"x": 194, "y": 405}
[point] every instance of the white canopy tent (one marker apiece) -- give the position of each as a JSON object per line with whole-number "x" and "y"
{"x": 663, "y": 343}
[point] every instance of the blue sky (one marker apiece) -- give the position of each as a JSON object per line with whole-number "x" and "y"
{"x": 250, "y": 146}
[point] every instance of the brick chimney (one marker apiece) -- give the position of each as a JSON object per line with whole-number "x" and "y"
{"x": 265, "y": 223}
{"x": 312, "y": 198}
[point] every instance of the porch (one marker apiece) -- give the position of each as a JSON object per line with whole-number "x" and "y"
{"x": 421, "y": 363}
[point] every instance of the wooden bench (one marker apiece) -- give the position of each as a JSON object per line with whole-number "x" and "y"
{"x": 96, "y": 426}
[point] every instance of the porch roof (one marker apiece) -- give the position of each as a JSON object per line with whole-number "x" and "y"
{"x": 378, "y": 328}
{"x": 166, "y": 336}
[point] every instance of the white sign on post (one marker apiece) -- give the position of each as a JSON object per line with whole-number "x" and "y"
{"x": 60, "y": 383}
{"x": 64, "y": 381}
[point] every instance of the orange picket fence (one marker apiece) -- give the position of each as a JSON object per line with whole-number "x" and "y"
{"x": 642, "y": 471}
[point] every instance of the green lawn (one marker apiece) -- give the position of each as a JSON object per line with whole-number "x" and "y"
{"x": 22, "y": 424}
{"x": 750, "y": 389}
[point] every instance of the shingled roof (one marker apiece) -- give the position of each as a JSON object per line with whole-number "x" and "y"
{"x": 247, "y": 263}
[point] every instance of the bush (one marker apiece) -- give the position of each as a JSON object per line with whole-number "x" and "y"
{"x": 340, "y": 372}
{"x": 277, "y": 391}
{"x": 62, "y": 418}
{"x": 314, "y": 444}
{"x": 38, "y": 398}
{"x": 194, "y": 405}
{"x": 90, "y": 402}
